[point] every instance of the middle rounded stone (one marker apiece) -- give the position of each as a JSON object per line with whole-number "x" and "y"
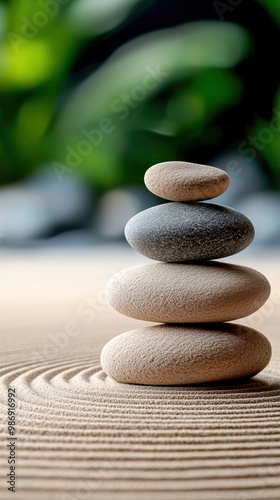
{"x": 187, "y": 293}
{"x": 180, "y": 232}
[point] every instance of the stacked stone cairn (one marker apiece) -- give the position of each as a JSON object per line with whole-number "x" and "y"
{"x": 189, "y": 293}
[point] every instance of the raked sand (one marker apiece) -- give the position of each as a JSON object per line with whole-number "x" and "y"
{"x": 81, "y": 436}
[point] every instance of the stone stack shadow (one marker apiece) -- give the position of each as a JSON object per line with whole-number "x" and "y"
{"x": 190, "y": 293}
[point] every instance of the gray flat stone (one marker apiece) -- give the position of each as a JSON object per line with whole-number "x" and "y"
{"x": 180, "y": 232}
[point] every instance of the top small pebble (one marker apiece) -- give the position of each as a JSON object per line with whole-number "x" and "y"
{"x": 182, "y": 181}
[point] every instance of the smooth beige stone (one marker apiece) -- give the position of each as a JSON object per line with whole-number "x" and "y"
{"x": 174, "y": 355}
{"x": 187, "y": 293}
{"x": 182, "y": 181}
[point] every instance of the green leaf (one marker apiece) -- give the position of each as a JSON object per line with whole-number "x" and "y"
{"x": 123, "y": 89}
{"x": 273, "y": 7}
{"x": 98, "y": 16}
{"x": 170, "y": 55}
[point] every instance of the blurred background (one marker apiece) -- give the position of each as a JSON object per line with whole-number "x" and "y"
{"x": 93, "y": 92}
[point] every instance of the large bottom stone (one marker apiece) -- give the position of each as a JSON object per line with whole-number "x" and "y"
{"x": 176, "y": 354}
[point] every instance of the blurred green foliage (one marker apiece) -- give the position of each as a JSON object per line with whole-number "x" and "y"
{"x": 272, "y": 7}
{"x": 110, "y": 127}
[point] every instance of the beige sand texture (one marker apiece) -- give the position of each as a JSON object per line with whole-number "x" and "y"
{"x": 81, "y": 436}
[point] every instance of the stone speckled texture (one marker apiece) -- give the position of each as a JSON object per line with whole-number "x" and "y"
{"x": 182, "y": 181}
{"x": 174, "y": 354}
{"x": 177, "y": 232}
{"x": 187, "y": 293}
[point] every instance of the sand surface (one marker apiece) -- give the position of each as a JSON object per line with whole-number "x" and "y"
{"x": 81, "y": 436}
